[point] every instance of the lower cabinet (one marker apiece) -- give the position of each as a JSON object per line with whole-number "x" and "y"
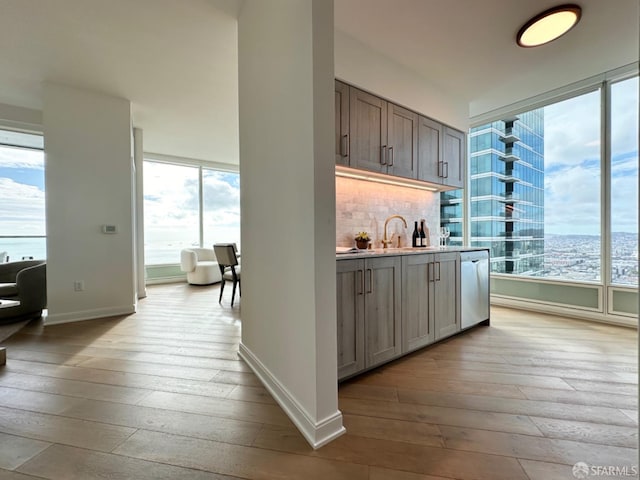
{"x": 446, "y": 285}
{"x": 430, "y": 302}
{"x": 369, "y": 312}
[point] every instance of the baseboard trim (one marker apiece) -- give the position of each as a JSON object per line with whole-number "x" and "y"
{"x": 60, "y": 318}
{"x": 501, "y": 301}
{"x": 317, "y": 433}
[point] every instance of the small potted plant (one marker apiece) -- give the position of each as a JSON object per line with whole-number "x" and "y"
{"x": 362, "y": 240}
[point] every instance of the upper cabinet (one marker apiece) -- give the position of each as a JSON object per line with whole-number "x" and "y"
{"x": 368, "y": 129}
{"x": 454, "y": 148}
{"x": 441, "y": 153}
{"x": 402, "y": 142}
{"x": 376, "y": 135}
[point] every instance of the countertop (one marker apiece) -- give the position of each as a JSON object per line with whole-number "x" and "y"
{"x": 380, "y": 252}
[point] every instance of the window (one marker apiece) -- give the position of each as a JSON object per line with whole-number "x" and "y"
{"x": 171, "y": 211}
{"x": 535, "y": 195}
{"x": 221, "y": 207}
{"x": 624, "y": 182}
{"x": 22, "y": 199}
{"x": 174, "y": 216}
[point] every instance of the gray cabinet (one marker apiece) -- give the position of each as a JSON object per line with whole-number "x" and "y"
{"x": 453, "y": 157}
{"x": 441, "y": 153}
{"x": 429, "y": 150}
{"x": 342, "y": 123}
{"x": 431, "y": 303}
{"x": 381, "y": 136}
{"x": 402, "y": 142}
{"x": 417, "y": 301}
{"x": 368, "y": 131}
{"x": 368, "y": 312}
{"x": 382, "y": 309}
{"x": 350, "y": 314}
{"x": 446, "y": 288}
{"x": 391, "y": 305}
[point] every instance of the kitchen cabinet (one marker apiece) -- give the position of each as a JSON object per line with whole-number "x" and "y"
{"x": 382, "y": 309}
{"x": 342, "y": 123}
{"x": 381, "y": 136}
{"x": 430, "y": 286}
{"x": 368, "y": 131}
{"x": 441, "y": 153}
{"x": 350, "y": 314}
{"x": 446, "y": 288}
{"x": 368, "y": 312}
{"x": 417, "y": 301}
{"x": 453, "y": 157}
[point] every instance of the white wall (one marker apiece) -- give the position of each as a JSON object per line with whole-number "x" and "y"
{"x": 358, "y": 65}
{"x": 20, "y": 118}
{"x": 288, "y": 207}
{"x": 88, "y": 179}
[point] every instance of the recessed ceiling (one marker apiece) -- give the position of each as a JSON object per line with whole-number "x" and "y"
{"x": 176, "y": 60}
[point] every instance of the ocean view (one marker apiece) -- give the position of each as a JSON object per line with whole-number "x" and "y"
{"x": 17, "y": 248}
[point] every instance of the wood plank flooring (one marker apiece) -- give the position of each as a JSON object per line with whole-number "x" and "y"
{"x": 162, "y": 394}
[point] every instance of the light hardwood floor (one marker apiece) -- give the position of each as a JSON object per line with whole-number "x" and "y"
{"x": 162, "y": 395}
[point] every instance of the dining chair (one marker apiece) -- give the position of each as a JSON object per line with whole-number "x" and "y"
{"x": 229, "y": 268}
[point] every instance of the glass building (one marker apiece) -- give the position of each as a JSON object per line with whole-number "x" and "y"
{"x": 506, "y": 162}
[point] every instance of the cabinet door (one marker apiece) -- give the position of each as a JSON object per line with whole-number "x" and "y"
{"x": 402, "y": 138}
{"x": 417, "y": 301}
{"x": 368, "y": 130}
{"x": 382, "y": 309}
{"x": 342, "y": 123}
{"x": 429, "y": 150}
{"x": 446, "y": 300}
{"x": 454, "y": 154}
{"x": 350, "y": 315}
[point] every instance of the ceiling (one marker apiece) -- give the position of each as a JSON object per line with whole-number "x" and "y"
{"x": 176, "y": 60}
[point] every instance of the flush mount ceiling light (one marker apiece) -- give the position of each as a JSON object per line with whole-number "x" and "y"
{"x": 549, "y": 25}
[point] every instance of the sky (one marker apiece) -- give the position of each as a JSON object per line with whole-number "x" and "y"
{"x": 572, "y": 162}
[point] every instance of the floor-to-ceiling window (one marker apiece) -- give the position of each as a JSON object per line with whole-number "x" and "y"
{"x": 624, "y": 182}
{"x": 186, "y": 205}
{"x": 554, "y": 196}
{"x": 22, "y": 199}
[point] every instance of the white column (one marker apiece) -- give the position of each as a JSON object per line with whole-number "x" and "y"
{"x": 288, "y": 208}
{"x": 89, "y": 184}
{"x": 138, "y": 160}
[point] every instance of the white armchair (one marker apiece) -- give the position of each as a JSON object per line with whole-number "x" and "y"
{"x": 200, "y": 265}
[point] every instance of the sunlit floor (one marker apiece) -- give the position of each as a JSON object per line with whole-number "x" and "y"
{"x": 162, "y": 395}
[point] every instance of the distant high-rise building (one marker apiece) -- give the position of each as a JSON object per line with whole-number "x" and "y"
{"x": 506, "y": 168}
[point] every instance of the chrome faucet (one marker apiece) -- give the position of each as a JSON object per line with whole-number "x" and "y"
{"x": 386, "y": 242}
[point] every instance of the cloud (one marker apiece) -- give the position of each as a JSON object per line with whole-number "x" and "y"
{"x": 172, "y": 202}
{"x": 572, "y": 130}
{"x": 20, "y": 158}
{"x": 572, "y": 201}
{"x": 22, "y": 208}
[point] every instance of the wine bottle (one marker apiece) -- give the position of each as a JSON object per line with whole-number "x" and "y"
{"x": 415, "y": 237}
{"x": 423, "y": 237}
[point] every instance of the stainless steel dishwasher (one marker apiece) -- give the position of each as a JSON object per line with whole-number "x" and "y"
{"x": 474, "y": 287}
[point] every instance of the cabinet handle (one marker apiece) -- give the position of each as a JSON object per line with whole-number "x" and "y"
{"x": 440, "y": 168}
{"x": 430, "y": 272}
{"x": 344, "y": 146}
{"x": 383, "y": 154}
{"x": 361, "y": 282}
{"x": 446, "y": 165}
{"x": 370, "y": 281}
{"x": 391, "y": 156}
{"x": 438, "y": 279}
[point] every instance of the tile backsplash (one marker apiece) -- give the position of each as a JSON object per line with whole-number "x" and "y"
{"x": 364, "y": 206}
